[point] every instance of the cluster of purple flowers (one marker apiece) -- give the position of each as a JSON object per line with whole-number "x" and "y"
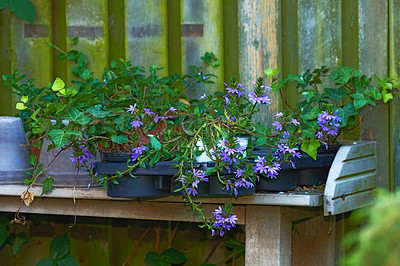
{"x": 191, "y": 180}
{"x": 223, "y": 221}
{"x": 137, "y": 151}
{"x": 262, "y": 167}
{"x": 84, "y": 157}
{"x": 260, "y": 97}
{"x": 281, "y": 123}
{"x": 137, "y": 123}
{"x": 328, "y": 124}
{"x": 239, "y": 90}
{"x": 230, "y": 151}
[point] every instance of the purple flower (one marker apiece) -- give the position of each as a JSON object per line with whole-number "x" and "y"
{"x": 84, "y": 157}
{"x": 131, "y": 108}
{"x": 277, "y": 125}
{"x": 147, "y": 111}
{"x": 295, "y": 122}
{"x": 223, "y": 221}
{"x": 286, "y": 135}
{"x": 136, "y": 123}
{"x": 173, "y": 109}
{"x": 204, "y": 78}
{"x": 280, "y": 114}
{"x": 259, "y": 99}
{"x": 204, "y": 96}
{"x": 328, "y": 123}
{"x": 137, "y": 151}
{"x": 191, "y": 180}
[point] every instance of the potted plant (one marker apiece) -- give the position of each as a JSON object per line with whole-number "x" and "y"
{"x": 161, "y": 133}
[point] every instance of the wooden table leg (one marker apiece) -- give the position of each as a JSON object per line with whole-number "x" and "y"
{"x": 268, "y": 235}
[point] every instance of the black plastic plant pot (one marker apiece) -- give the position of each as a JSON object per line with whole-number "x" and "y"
{"x": 286, "y": 181}
{"x": 313, "y": 176}
{"x": 202, "y": 189}
{"x": 219, "y": 190}
{"x": 139, "y": 187}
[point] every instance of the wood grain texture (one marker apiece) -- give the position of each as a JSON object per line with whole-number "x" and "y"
{"x": 314, "y": 244}
{"x": 351, "y": 180}
{"x": 319, "y": 33}
{"x": 202, "y": 31}
{"x": 90, "y": 24}
{"x": 259, "y": 39}
{"x": 147, "y": 33}
{"x": 268, "y": 235}
{"x": 31, "y": 54}
{"x": 373, "y": 58}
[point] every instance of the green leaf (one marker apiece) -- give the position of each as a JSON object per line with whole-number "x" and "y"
{"x": 271, "y": 72}
{"x": 173, "y": 256}
{"x": 343, "y": 74}
{"x": 120, "y": 139}
{"x": 24, "y": 99}
{"x": 67, "y": 261}
{"x": 96, "y": 112}
{"x": 3, "y": 4}
{"x": 3, "y": 235}
{"x": 23, "y": 9}
{"x": 59, "y": 137}
{"x": 155, "y": 143}
{"x": 386, "y": 96}
{"x": 16, "y": 241}
{"x": 154, "y": 259}
{"x": 46, "y": 262}
{"x": 77, "y": 116}
{"x": 47, "y": 184}
{"x": 336, "y": 94}
{"x": 20, "y": 106}
{"x": 58, "y": 85}
{"x": 4, "y": 221}
{"x": 60, "y": 247}
{"x": 311, "y": 148}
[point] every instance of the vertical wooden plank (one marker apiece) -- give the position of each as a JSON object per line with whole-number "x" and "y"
{"x": 319, "y": 33}
{"x": 289, "y": 47}
{"x": 373, "y": 58}
{"x": 88, "y": 20}
{"x": 231, "y": 39}
{"x": 31, "y": 54}
{"x": 314, "y": 244}
{"x": 259, "y": 37}
{"x": 201, "y": 29}
{"x": 146, "y": 32}
{"x": 59, "y": 33}
{"x": 268, "y": 235}
{"x": 394, "y": 52}
{"x": 6, "y": 106}
{"x": 349, "y": 14}
{"x": 116, "y": 29}
{"x": 174, "y": 36}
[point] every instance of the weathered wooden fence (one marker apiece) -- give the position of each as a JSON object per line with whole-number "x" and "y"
{"x": 247, "y": 35}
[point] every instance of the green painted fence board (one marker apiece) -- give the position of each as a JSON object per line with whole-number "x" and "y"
{"x": 259, "y": 39}
{"x": 394, "y": 60}
{"x": 319, "y": 36}
{"x": 6, "y": 100}
{"x": 373, "y": 58}
{"x": 202, "y": 23}
{"x": 146, "y": 32}
{"x": 30, "y": 53}
{"x": 88, "y": 20}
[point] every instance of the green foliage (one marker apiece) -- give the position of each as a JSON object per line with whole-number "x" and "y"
{"x": 60, "y": 247}
{"x": 167, "y": 257}
{"x": 22, "y": 9}
{"x": 376, "y": 241}
{"x": 15, "y": 240}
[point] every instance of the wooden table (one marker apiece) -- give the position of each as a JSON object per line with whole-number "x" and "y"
{"x": 267, "y": 217}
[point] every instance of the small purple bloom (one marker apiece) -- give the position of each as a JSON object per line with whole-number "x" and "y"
{"x": 137, "y": 151}
{"x": 131, "y": 108}
{"x": 277, "y": 125}
{"x": 148, "y": 112}
{"x": 204, "y": 96}
{"x": 173, "y": 109}
{"x": 136, "y": 123}
{"x": 86, "y": 157}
